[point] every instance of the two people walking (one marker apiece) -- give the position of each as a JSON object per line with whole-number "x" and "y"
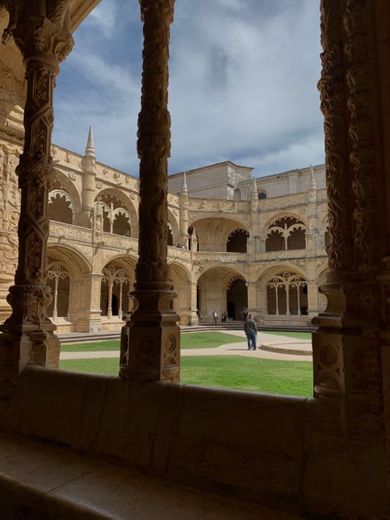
{"x": 250, "y": 328}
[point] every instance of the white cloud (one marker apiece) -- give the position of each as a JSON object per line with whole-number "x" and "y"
{"x": 104, "y": 18}
{"x": 243, "y": 80}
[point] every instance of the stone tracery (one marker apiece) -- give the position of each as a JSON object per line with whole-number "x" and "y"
{"x": 287, "y": 294}
{"x": 286, "y": 233}
{"x": 57, "y": 273}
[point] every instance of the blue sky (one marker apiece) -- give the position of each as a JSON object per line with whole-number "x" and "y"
{"x": 243, "y": 77}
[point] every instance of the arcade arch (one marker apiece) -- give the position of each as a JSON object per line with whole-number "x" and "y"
{"x": 285, "y": 233}
{"x": 182, "y": 285}
{"x": 287, "y": 294}
{"x": 119, "y": 215}
{"x": 224, "y": 290}
{"x": 68, "y": 280}
{"x": 117, "y": 283}
{"x": 213, "y": 233}
{"x": 282, "y": 294}
{"x": 237, "y": 241}
{"x": 60, "y": 206}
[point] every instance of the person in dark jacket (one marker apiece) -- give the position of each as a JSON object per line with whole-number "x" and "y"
{"x": 250, "y": 328}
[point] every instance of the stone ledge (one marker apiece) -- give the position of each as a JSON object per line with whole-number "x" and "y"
{"x": 45, "y": 482}
{"x": 217, "y": 440}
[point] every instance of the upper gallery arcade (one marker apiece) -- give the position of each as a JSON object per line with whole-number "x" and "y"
{"x": 230, "y": 237}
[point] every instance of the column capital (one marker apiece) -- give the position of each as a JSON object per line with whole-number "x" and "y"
{"x": 39, "y": 38}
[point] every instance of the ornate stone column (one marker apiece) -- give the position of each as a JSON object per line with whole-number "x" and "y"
{"x": 89, "y": 316}
{"x": 328, "y": 342}
{"x": 28, "y": 335}
{"x": 150, "y": 344}
{"x": 251, "y": 287}
{"x": 194, "y": 306}
{"x": 346, "y": 347}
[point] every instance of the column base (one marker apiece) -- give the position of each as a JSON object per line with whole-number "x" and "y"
{"x": 27, "y": 336}
{"x": 17, "y": 351}
{"x": 150, "y": 341}
{"x": 194, "y": 318}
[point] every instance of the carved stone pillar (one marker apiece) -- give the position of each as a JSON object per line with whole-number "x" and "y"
{"x": 346, "y": 347}
{"x": 328, "y": 342}
{"x": 28, "y": 335}
{"x": 89, "y": 319}
{"x": 252, "y": 298}
{"x": 312, "y": 298}
{"x": 194, "y": 319}
{"x": 150, "y": 343}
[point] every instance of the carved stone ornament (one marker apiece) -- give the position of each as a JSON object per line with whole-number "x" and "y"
{"x": 43, "y": 43}
{"x": 154, "y": 321}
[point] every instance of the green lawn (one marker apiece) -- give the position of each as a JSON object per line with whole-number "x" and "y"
{"x": 297, "y": 335}
{"x": 111, "y": 344}
{"x": 207, "y": 339}
{"x": 188, "y": 340}
{"x": 262, "y": 375}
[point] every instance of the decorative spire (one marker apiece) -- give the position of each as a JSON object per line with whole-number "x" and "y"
{"x": 312, "y": 185}
{"x": 90, "y": 148}
{"x": 184, "y": 188}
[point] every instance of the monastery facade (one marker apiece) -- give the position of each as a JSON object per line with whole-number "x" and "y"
{"x": 235, "y": 243}
{"x": 74, "y": 444}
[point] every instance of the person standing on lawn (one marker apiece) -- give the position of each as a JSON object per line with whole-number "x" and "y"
{"x": 250, "y": 328}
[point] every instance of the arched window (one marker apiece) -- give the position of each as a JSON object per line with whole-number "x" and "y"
{"x": 287, "y": 295}
{"x": 237, "y": 241}
{"x": 237, "y": 298}
{"x": 60, "y": 207}
{"x": 116, "y": 218}
{"x": 261, "y": 195}
{"x": 286, "y": 233}
{"x": 114, "y": 291}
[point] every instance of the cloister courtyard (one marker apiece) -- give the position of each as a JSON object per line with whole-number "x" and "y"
{"x": 282, "y": 363}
